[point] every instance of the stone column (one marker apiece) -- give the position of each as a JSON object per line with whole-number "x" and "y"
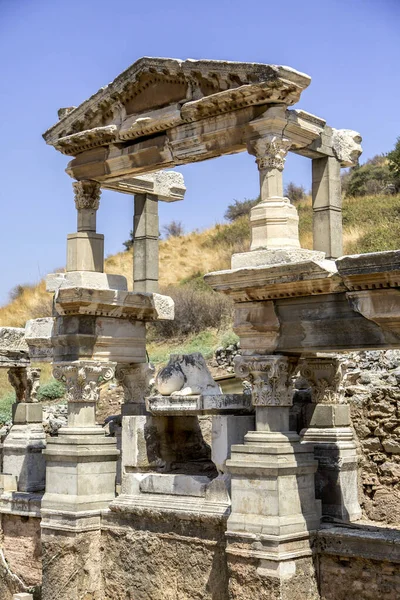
{"x": 80, "y": 483}
{"x": 274, "y": 221}
{"x": 273, "y": 500}
{"x": 85, "y": 249}
{"x": 329, "y": 430}
{"x": 135, "y": 380}
{"x": 145, "y": 247}
{"x": 23, "y": 446}
{"x": 327, "y": 206}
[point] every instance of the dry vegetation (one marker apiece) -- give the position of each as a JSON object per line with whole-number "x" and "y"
{"x": 371, "y": 223}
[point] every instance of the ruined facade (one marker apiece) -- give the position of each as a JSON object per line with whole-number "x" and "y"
{"x": 271, "y": 510}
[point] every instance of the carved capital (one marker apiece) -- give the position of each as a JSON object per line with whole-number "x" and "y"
{"x": 83, "y": 380}
{"x": 270, "y": 378}
{"x": 324, "y": 375}
{"x": 270, "y": 151}
{"x": 87, "y": 194}
{"x": 136, "y": 380}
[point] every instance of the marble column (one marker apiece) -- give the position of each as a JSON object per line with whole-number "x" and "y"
{"x": 327, "y": 206}
{"x": 145, "y": 247}
{"x": 85, "y": 249}
{"x": 80, "y": 484}
{"x": 329, "y": 431}
{"x": 274, "y": 221}
{"x": 273, "y": 500}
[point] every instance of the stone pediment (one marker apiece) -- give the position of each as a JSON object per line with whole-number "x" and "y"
{"x": 156, "y": 94}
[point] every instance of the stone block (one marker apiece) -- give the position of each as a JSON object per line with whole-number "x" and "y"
{"x": 38, "y": 333}
{"x": 228, "y": 430}
{"x": 24, "y": 412}
{"x": 328, "y": 415}
{"x": 23, "y": 455}
{"x": 176, "y": 485}
{"x": 85, "y": 252}
{"x": 199, "y": 404}
{"x": 257, "y": 258}
{"x": 85, "y": 279}
{"x": 8, "y": 482}
{"x": 23, "y": 596}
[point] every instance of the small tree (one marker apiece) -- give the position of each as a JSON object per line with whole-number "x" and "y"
{"x": 239, "y": 208}
{"x": 129, "y": 243}
{"x": 371, "y": 178}
{"x": 394, "y": 164}
{"x": 294, "y": 192}
{"x": 173, "y": 229}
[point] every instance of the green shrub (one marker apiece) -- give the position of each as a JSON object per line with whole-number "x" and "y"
{"x": 52, "y": 390}
{"x": 6, "y": 403}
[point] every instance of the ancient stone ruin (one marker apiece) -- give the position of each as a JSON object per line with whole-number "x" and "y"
{"x": 271, "y": 508}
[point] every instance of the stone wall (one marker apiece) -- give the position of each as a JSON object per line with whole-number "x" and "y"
{"x": 359, "y": 562}
{"x": 373, "y": 393}
{"x": 344, "y": 578}
{"x": 20, "y": 556}
{"x": 164, "y": 558}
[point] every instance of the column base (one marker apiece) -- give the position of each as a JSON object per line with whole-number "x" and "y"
{"x": 336, "y": 483}
{"x": 80, "y": 470}
{"x": 23, "y": 448}
{"x": 272, "y": 487}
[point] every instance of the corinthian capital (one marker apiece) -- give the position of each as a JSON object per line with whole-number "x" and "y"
{"x": 83, "y": 379}
{"x": 87, "y": 194}
{"x": 324, "y": 376}
{"x": 270, "y": 151}
{"x": 270, "y": 378}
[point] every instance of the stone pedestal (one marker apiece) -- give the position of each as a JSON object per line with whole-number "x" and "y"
{"x": 80, "y": 483}
{"x": 274, "y": 221}
{"x": 329, "y": 432}
{"x": 23, "y": 447}
{"x": 85, "y": 249}
{"x": 273, "y": 500}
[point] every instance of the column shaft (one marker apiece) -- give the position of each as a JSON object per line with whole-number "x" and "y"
{"x": 327, "y": 206}
{"x": 145, "y": 249}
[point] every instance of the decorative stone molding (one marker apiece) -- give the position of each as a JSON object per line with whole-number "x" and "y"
{"x": 136, "y": 380}
{"x": 270, "y": 378}
{"x": 325, "y": 376}
{"x": 270, "y": 151}
{"x": 83, "y": 380}
{"x": 87, "y": 194}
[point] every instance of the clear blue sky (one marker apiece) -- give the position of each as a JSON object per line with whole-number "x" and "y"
{"x": 57, "y": 53}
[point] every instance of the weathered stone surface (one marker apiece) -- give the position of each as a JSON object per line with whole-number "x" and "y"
{"x": 186, "y": 375}
{"x": 164, "y": 558}
{"x": 373, "y": 395}
{"x": 85, "y": 279}
{"x": 248, "y": 579}
{"x": 14, "y": 351}
{"x": 346, "y": 145}
{"x": 72, "y": 565}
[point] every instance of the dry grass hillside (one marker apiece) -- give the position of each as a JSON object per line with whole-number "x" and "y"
{"x": 371, "y": 223}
